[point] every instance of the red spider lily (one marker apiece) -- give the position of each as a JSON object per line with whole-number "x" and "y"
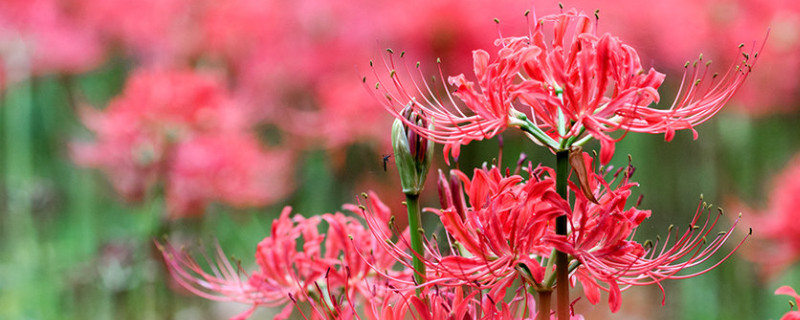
{"x": 786, "y": 290}
{"x": 498, "y": 235}
{"x": 294, "y": 269}
{"x": 506, "y": 232}
{"x": 576, "y": 86}
{"x": 601, "y": 240}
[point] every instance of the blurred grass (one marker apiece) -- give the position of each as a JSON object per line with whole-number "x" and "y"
{"x": 71, "y": 250}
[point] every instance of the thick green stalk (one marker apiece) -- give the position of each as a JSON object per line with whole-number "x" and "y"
{"x": 417, "y": 232}
{"x": 562, "y": 272}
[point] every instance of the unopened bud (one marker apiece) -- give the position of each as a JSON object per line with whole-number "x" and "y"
{"x": 457, "y": 190}
{"x": 413, "y": 153}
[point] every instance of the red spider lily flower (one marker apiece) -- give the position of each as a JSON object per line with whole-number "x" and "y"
{"x": 498, "y": 235}
{"x": 786, "y": 290}
{"x": 563, "y": 91}
{"x": 507, "y": 232}
{"x": 777, "y": 238}
{"x": 297, "y": 263}
{"x": 601, "y": 240}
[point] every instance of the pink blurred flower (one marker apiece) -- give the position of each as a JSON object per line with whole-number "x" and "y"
{"x": 333, "y": 272}
{"x": 786, "y": 290}
{"x": 320, "y": 42}
{"x": 51, "y": 40}
{"x": 157, "y": 32}
{"x": 232, "y": 169}
{"x": 776, "y": 82}
{"x": 182, "y": 128}
{"x": 580, "y": 85}
{"x": 777, "y": 235}
{"x": 135, "y": 131}
{"x": 642, "y": 25}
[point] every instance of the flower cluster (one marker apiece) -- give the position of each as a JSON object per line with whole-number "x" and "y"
{"x": 506, "y": 232}
{"x": 563, "y": 90}
{"x": 297, "y": 263}
{"x": 345, "y": 272}
{"x": 510, "y": 238}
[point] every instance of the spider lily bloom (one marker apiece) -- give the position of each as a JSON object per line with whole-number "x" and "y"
{"x": 507, "y": 232}
{"x": 786, "y": 290}
{"x": 562, "y": 90}
{"x": 498, "y": 238}
{"x": 601, "y": 241}
{"x": 296, "y": 263}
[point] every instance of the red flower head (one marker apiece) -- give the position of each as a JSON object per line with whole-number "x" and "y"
{"x": 563, "y": 90}
{"x": 601, "y": 240}
{"x": 506, "y": 232}
{"x": 297, "y": 263}
{"x": 494, "y": 239}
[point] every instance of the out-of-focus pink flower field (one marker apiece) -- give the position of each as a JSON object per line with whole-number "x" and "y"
{"x": 127, "y": 122}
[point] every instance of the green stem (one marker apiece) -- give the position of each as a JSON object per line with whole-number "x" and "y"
{"x": 417, "y": 232}
{"x": 562, "y": 272}
{"x": 549, "y": 278}
{"x": 522, "y": 121}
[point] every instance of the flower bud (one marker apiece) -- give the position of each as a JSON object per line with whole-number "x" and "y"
{"x": 412, "y": 152}
{"x": 451, "y": 192}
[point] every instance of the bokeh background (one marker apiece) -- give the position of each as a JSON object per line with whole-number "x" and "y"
{"x": 124, "y": 122}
